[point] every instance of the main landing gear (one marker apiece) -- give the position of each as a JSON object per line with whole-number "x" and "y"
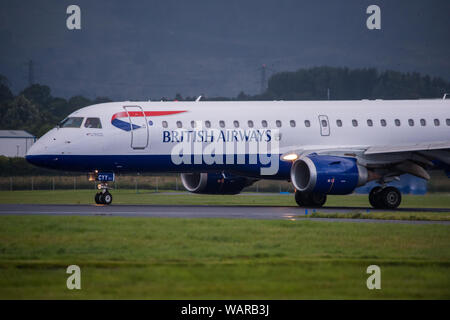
{"x": 385, "y": 198}
{"x": 310, "y": 199}
{"x": 379, "y": 198}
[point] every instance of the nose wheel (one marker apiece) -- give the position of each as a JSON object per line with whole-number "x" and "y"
{"x": 385, "y": 198}
{"x": 103, "y": 197}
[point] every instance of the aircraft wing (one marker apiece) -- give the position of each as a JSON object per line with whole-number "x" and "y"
{"x": 408, "y": 148}
{"x": 392, "y": 160}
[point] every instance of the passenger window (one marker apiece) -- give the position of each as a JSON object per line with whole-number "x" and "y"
{"x": 179, "y": 124}
{"x": 339, "y": 123}
{"x": 93, "y": 123}
{"x": 369, "y": 122}
{"x": 193, "y": 124}
{"x": 292, "y": 123}
{"x": 278, "y": 123}
{"x": 164, "y": 124}
{"x": 264, "y": 123}
{"x": 250, "y": 123}
{"x": 222, "y": 124}
{"x": 208, "y": 124}
{"x": 307, "y": 123}
{"x": 423, "y": 122}
{"x": 437, "y": 122}
{"x": 397, "y": 122}
{"x": 72, "y": 122}
{"x": 355, "y": 122}
{"x": 448, "y": 122}
{"x": 236, "y": 123}
{"x": 324, "y": 123}
{"x": 411, "y": 122}
{"x": 383, "y": 122}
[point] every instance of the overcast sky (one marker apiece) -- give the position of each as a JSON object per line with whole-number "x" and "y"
{"x": 141, "y": 49}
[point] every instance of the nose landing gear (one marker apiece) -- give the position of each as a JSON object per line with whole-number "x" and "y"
{"x": 103, "y": 196}
{"x": 385, "y": 198}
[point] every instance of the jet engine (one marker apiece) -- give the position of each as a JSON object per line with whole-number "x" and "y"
{"x": 215, "y": 183}
{"x": 324, "y": 174}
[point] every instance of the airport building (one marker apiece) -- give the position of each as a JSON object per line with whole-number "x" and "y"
{"x": 15, "y": 143}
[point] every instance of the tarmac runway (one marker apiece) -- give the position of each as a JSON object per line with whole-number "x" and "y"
{"x": 174, "y": 211}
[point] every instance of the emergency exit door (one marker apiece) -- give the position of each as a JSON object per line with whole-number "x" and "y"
{"x": 324, "y": 125}
{"x": 138, "y": 127}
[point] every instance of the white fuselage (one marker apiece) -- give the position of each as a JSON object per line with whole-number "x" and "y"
{"x": 308, "y": 125}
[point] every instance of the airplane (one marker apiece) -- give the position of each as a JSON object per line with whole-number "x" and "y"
{"x": 321, "y": 147}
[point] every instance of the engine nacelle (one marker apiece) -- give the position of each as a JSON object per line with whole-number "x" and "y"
{"x": 214, "y": 183}
{"x": 327, "y": 174}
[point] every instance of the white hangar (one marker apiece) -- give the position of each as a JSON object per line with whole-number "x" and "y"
{"x": 15, "y": 143}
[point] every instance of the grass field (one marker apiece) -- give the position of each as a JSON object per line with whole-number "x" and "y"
{"x": 160, "y": 258}
{"x": 218, "y": 258}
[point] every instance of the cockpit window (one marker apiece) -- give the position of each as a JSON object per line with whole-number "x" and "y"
{"x": 72, "y": 122}
{"x": 93, "y": 123}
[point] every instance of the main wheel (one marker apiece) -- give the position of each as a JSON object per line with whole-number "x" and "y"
{"x": 390, "y": 197}
{"x": 315, "y": 200}
{"x": 97, "y": 198}
{"x": 302, "y": 199}
{"x": 107, "y": 198}
{"x": 374, "y": 197}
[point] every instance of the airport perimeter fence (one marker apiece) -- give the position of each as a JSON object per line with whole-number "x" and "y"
{"x": 140, "y": 182}
{"x": 438, "y": 183}
{"x": 17, "y": 174}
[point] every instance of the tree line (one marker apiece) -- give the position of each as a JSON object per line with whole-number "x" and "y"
{"x": 352, "y": 84}
{"x": 35, "y": 109}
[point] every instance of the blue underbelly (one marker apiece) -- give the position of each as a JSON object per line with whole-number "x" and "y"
{"x": 250, "y": 166}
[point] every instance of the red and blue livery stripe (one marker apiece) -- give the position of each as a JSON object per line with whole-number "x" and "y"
{"x": 127, "y": 126}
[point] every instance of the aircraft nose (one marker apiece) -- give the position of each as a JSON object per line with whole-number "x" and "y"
{"x": 36, "y": 155}
{"x": 42, "y": 160}
{"x": 44, "y": 152}
{"x": 35, "y": 149}
{"x": 33, "y": 159}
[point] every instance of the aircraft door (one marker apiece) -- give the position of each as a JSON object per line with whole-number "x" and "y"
{"x": 139, "y": 127}
{"x": 324, "y": 125}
